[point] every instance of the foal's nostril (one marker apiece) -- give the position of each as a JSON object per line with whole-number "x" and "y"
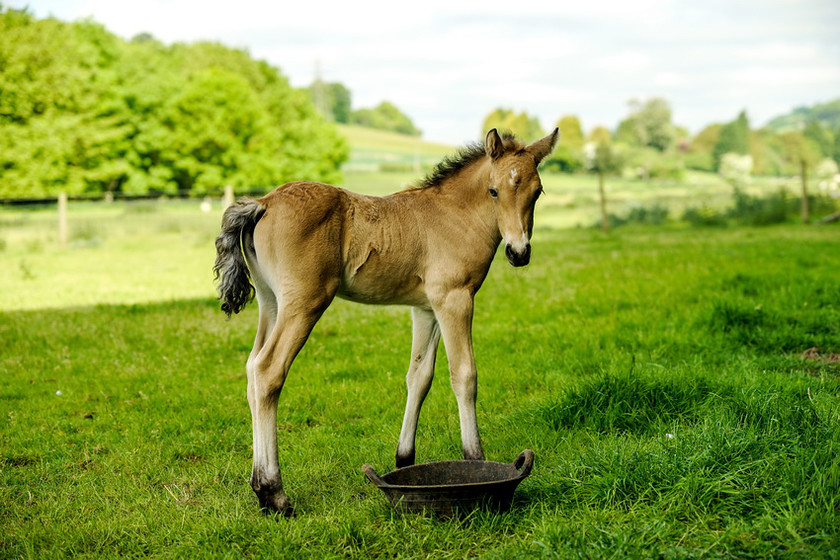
{"x": 517, "y": 258}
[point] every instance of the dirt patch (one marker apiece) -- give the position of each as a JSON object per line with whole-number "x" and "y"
{"x": 814, "y": 355}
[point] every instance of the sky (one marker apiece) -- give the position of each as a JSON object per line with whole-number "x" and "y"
{"x": 447, "y": 64}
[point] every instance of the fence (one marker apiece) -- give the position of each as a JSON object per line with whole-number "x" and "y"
{"x": 63, "y": 202}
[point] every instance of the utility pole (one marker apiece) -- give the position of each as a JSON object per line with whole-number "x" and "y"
{"x": 319, "y": 93}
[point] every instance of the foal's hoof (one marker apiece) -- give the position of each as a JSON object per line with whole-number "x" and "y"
{"x": 276, "y": 504}
{"x": 406, "y": 461}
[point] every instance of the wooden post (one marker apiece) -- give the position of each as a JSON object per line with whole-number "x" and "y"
{"x": 227, "y": 200}
{"x": 605, "y": 219}
{"x": 806, "y": 215}
{"x": 62, "y": 220}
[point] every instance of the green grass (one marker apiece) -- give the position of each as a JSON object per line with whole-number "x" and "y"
{"x": 656, "y": 373}
{"x": 372, "y": 149}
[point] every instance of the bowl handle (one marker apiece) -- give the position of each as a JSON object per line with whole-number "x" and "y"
{"x": 373, "y": 477}
{"x": 524, "y": 462}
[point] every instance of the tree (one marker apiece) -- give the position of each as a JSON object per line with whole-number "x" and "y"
{"x": 733, "y": 138}
{"x": 567, "y": 155}
{"x": 524, "y": 126}
{"x": 81, "y": 110}
{"x": 385, "y": 116}
{"x": 820, "y": 137}
{"x": 333, "y": 99}
{"x": 602, "y": 158}
{"x": 649, "y": 124}
{"x": 801, "y": 154}
{"x": 571, "y": 133}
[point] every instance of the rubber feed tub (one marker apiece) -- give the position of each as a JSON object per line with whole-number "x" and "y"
{"x": 450, "y": 487}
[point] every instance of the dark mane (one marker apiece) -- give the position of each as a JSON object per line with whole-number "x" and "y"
{"x": 460, "y": 160}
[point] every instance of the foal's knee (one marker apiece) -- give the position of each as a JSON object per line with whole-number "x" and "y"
{"x": 464, "y": 383}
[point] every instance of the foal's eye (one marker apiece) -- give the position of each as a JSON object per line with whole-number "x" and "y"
{"x": 494, "y": 193}
{"x": 539, "y": 193}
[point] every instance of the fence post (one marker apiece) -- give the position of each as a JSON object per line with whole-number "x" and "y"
{"x": 62, "y": 220}
{"x": 227, "y": 200}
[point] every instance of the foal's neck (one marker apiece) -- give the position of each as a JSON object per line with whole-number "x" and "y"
{"x": 469, "y": 190}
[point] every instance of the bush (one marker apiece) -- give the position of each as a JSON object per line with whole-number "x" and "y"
{"x": 704, "y": 216}
{"x": 754, "y": 211}
{"x": 655, "y": 215}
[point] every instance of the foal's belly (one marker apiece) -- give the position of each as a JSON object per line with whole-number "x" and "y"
{"x": 383, "y": 290}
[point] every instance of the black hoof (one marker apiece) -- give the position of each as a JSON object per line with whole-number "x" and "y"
{"x": 406, "y": 461}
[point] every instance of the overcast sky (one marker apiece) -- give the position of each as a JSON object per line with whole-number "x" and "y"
{"x": 449, "y": 63}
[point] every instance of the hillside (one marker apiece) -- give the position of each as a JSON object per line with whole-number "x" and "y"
{"x": 378, "y": 150}
{"x": 827, "y": 114}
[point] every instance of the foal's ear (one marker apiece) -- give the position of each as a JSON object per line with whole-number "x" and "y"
{"x": 493, "y": 145}
{"x": 544, "y": 146}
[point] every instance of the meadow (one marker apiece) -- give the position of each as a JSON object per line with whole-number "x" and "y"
{"x": 680, "y": 388}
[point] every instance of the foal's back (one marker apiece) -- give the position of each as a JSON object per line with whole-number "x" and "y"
{"x": 369, "y": 249}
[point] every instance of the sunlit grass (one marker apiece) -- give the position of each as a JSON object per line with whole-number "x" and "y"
{"x": 656, "y": 373}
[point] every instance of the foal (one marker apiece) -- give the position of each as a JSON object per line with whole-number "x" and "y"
{"x": 429, "y": 247}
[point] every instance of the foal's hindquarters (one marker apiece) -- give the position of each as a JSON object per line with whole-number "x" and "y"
{"x": 292, "y": 294}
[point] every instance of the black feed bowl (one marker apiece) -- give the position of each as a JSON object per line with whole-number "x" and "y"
{"x": 450, "y": 487}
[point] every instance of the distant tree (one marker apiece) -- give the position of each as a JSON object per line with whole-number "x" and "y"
{"x": 600, "y": 135}
{"x": 602, "y": 158}
{"x": 82, "y": 110}
{"x": 706, "y": 139}
{"x": 733, "y": 138}
{"x": 625, "y": 133}
{"x": 524, "y": 126}
{"x": 385, "y": 116}
{"x": 802, "y": 155}
{"x": 567, "y": 156}
{"x": 835, "y": 152}
{"x": 571, "y": 133}
{"x": 332, "y": 99}
{"x": 649, "y": 124}
{"x": 820, "y": 137}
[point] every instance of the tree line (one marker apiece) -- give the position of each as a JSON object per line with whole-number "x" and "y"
{"x": 84, "y": 111}
{"x": 334, "y": 101}
{"x": 648, "y": 144}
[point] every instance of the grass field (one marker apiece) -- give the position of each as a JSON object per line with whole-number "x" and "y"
{"x": 659, "y": 374}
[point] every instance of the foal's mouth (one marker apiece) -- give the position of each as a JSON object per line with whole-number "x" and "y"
{"x": 518, "y": 258}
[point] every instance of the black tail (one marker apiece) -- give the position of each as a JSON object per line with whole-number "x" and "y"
{"x": 231, "y": 269}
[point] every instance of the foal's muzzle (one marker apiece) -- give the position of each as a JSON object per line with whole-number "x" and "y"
{"x": 518, "y": 258}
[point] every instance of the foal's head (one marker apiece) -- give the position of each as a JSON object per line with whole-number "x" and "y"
{"x": 515, "y": 186}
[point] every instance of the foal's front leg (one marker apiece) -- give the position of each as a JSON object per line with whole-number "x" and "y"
{"x": 425, "y": 335}
{"x": 455, "y": 314}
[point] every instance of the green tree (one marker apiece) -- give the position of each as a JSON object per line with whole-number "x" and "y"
{"x": 84, "y": 111}
{"x": 385, "y": 116}
{"x": 802, "y": 156}
{"x": 571, "y": 133}
{"x": 524, "y": 126}
{"x": 602, "y": 158}
{"x": 733, "y": 138}
{"x": 567, "y": 156}
{"x": 649, "y": 124}
{"x": 835, "y": 152}
{"x": 820, "y": 137}
{"x": 333, "y": 99}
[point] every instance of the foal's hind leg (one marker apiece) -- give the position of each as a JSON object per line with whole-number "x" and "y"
{"x": 424, "y": 343}
{"x": 267, "y": 372}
